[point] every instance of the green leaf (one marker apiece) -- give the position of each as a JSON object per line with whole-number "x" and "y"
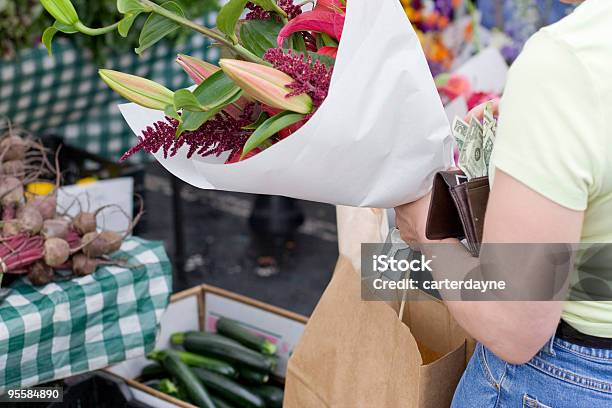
{"x": 184, "y": 99}
{"x": 194, "y": 120}
{"x": 298, "y": 42}
{"x": 47, "y": 39}
{"x": 126, "y": 23}
{"x": 62, "y": 10}
{"x": 130, "y": 6}
{"x": 157, "y": 27}
{"x": 269, "y": 128}
{"x": 64, "y": 28}
{"x": 263, "y": 116}
{"x": 328, "y": 41}
{"x": 228, "y": 18}
{"x": 217, "y": 89}
{"x": 258, "y": 36}
{"x": 171, "y": 112}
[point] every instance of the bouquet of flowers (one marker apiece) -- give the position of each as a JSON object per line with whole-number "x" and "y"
{"x": 331, "y": 103}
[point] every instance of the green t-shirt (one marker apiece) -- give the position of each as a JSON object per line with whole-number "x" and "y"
{"x": 555, "y": 136}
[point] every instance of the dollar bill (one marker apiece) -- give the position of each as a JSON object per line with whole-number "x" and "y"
{"x": 489, "y": 128}
{"x": 471, "y": 159}
{"x": 460, "y": 130}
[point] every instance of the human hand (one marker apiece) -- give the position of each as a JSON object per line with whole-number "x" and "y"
{"x": 411, "y": 220}
{"x": 478, "y": 111}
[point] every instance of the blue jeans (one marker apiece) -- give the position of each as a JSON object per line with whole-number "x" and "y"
{"x": 561, "y": 375}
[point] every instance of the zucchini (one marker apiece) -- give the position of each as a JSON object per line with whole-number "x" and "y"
{"x": 152, "y": 371}
{"x": 229, "y": 390}
{"x": 211, "y": 364}
{"x": 168, "y": 387}
{"x": 233, "y": 330}
{"x": 272, "y": 396}
{"x": 183, "y": 375}
{"x": 213, "y": 345}
{"x": 251, "y": 376}
{"x": 221, "y": 403}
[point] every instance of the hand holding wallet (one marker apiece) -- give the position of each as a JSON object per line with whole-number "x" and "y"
{"x": 457, "y": 208}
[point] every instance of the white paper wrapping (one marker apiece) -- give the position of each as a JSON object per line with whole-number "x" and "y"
{"x": 377, "y": 140}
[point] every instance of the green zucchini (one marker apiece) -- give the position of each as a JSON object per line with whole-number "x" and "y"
{"x": 220, "y": 347}
{"x": 229, "y": 390}
{"x": 233, "y": 330}
{"x": 152, "y": 371}
{"x": 272, "y": 396}
{"x": 211, "y": 364}
{"x": 252, "y": 376}
{"x": 168, "y": 387}
{"x": 221, "y": 403}
{"x": 180, "y": 371}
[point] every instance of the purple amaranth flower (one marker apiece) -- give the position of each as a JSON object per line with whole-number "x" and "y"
{"x": 311, "y": 78}
{"x": 258, "y": 13}
{"x": 220, "y": 134}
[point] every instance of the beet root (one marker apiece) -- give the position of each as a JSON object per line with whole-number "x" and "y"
{"x": 113, "y": 239}
{"x": 94, "y": 245}
{"x": 11, "y": 191}
{"x": 55, "y": 228}
{"x": 83, "y": 265}
{"x": 13, "y": 148}
{"x": 85, "y": 223}
{"x": 30, "y": 219}
{"x": 15, "y": 168}
{"x": 56, "y": 252}
{"x": 11, "y": 228}
{"x": 46, "y": 205}
{"x": 40, "y": 274}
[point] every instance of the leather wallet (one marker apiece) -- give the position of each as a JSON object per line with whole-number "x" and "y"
{"x": 457, "y": 208}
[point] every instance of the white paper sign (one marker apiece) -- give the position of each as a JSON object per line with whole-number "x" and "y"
{"x": 487, "y": 71}
{"x": 117, "y": 192}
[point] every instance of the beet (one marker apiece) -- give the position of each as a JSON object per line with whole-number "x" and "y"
{"x": 83, "y": 265}
{"x": 94, "y": 245}
{"x": 40, "y": 274}
{"x": 113, "y": 239}
{"x": 57, "y": 251}
{"x": 84, "y": 223}
{"x": 30, "y": 219}
{"x": 46, "y": 205}
{"x": 15, "y": 168}
{"x": 13, "y": 148}
{"x": 11, "y": 191}
{"x": 56, "y": 228}
{"x": 11, "y": 228}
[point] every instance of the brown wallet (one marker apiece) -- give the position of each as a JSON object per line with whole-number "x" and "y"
{"x": 457, "y": 208}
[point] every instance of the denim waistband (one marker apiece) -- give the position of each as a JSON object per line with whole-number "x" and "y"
{"x": 601, "y": 354}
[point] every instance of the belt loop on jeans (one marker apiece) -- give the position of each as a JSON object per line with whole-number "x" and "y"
{"x": 549, "y": 347}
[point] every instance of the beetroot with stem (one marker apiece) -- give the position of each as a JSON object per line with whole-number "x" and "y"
{"x": 56, "y": 251}
{"x": 11, "y": 195}
{"x": 46, "y": 205}
{"x": 30, "y": 219}
{"x": 56, "y": 228}
{"x": 40, "y": 274}
{"x": 83, "y": 265}
{"x": 13, "y": 147}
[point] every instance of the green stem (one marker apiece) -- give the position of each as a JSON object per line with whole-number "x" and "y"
{"x": 239, "y": 49}
{"x": 82, "y": 28}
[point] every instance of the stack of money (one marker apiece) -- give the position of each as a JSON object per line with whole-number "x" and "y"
{"x": 475, "y": 142}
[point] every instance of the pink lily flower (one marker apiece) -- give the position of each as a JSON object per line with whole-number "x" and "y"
{"x": 329, "y": 51}
{"x": 318, "y": 20}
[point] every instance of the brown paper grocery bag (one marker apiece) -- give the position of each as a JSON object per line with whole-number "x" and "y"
{"x": 355, "y": 353}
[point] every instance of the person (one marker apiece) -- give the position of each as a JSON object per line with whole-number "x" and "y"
{"x": 551, "y": 182}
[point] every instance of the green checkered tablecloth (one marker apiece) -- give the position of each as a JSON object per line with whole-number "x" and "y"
{"x": 84, "y": 324}
{"x": 64, "y": 95}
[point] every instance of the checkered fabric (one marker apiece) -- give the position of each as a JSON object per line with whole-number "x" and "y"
{"x": 84, "y": 324}
{"x": 64, "y": 95}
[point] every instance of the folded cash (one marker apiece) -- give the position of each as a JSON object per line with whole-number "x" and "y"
{"x": 475, "y": 142}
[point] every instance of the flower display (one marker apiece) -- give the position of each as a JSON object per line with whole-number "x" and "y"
{"x": 278, "y": 75}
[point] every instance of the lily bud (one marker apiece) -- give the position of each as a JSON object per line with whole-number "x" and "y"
{"x": 62, "y": 10}
{"x": 266, "y": 84}
{"x": 139, "y": 90}
{"x": 197, "y": 69}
